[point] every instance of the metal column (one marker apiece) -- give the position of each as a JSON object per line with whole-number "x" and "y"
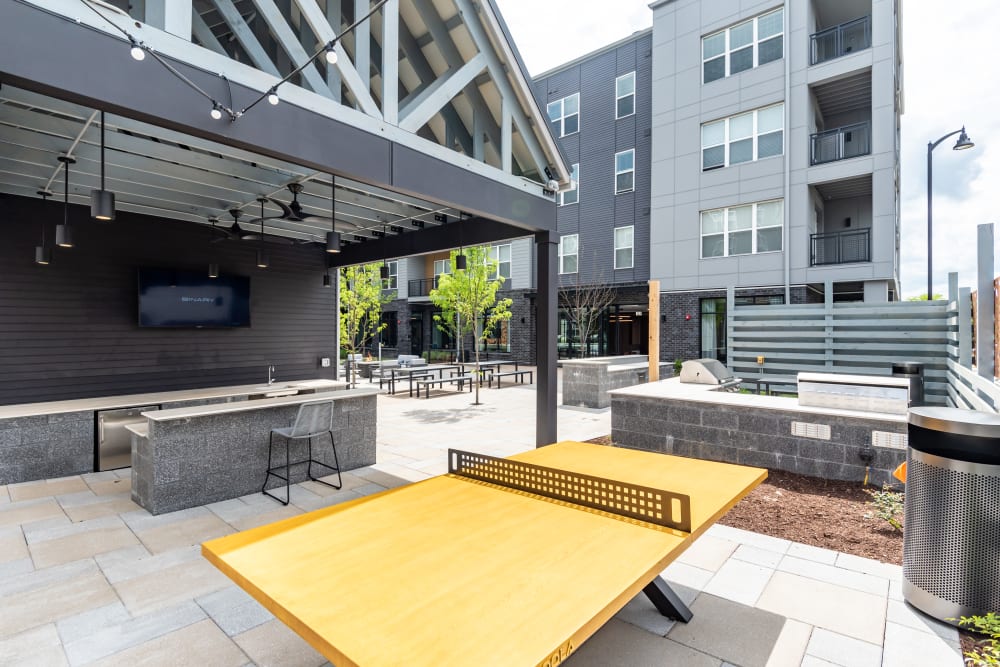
{"x": 545, "y": 339}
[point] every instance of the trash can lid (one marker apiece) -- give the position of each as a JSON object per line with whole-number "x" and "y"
{"x": 956, "y": 421}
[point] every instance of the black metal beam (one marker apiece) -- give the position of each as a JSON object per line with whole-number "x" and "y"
{"x": 99, "y": 74}
{"x": 546, "y": 421}
{"x": 472, "y": 231}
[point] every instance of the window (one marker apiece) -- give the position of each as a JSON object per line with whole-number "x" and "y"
{"x": 568, "y": 253}
{"x": 442, "y": 266}
{"x": 743, "y": 46}
{"x": 742, "y": 230}
{"x": 713, "y": 329}
{"x": 564, "y": 115}
{"x": 750, "y": 136}
{"x": 761, "y": 300}
{"x": 392, "y": 282}
{"x": 625, "y": 95}
{"x": 501, "y": 255}
{"x": 571, "y": 196}
{"x": 498, "y": 339}
{"x": 623, "y": 247}
{"x": 625, "y": 171}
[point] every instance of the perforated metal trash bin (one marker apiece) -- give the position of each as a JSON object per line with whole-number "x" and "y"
{"x": 951, "y": 540}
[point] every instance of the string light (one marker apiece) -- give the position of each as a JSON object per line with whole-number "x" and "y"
{"x": 138, "y": 53}
{"x": 272, "y": 97}
{"x": 331, "y": 52}
{"x": 216, "y": 111}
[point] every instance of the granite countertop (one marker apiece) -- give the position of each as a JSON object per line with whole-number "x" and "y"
{"x": 261, "y": 404}
{"x": 673, "y": 388}
{"x": 112, "y": 402}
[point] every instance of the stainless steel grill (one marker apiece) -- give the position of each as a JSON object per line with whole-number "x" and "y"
{"x": 951, "y": 541}
{"x": 708, "y": 371}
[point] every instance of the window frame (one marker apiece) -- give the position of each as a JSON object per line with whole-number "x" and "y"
{"x": 755, "y": 136}
{"x": 392, "y": 282}
{"x": 561, "y": 121}
{"x": 755, "y": 43}
{"x": 619, "y": 97}
{"x": 726, "y": 232}
{"x": 498, "y": 335}
{"x": 575, "y": 179}
{"x": 625, "y": 171}
{"x": 563, "y": 256}
{"x": 494, "y": 256}
{"x": 630, "y": 247}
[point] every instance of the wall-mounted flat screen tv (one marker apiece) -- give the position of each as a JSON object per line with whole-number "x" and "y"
{"x": 185, "y": 299}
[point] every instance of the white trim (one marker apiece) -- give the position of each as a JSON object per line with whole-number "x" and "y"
{"x": 618, "y": 97}
{"x": 726, "y": 232}
{"x": 625, "y": 171}
{"x": 574, "y": 173}
{"x": 561, "y": 120}
{"x": 562, "y": 255}
{"x": 754, "y": 137}
{"x": 631, "y": 247}
{"x": 754, "y": 45}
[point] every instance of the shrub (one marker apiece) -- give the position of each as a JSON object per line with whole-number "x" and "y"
{"x": 886, "y": 505}
{"x": 987, "y": 652}
{"x": 677, "y": 366}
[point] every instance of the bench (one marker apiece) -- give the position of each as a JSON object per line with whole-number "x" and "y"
{"x": 459, "y": 380}
{"x": 517, "y": 374}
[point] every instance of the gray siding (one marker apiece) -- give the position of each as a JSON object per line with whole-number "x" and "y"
{"x": 70, "y": 329}
{"x": 601, "y": 135}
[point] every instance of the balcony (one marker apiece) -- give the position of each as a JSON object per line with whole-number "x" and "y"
{"x": 840, "y": 247}
{"x": 840, "y": 143}
{"x": 421, "y": 287}
{"x": 841, "y": 40}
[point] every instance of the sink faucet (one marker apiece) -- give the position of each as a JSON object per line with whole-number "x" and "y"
{"x": 270, "y": 375}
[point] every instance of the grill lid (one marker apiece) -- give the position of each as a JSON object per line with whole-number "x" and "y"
{"x": 705, "y": 371}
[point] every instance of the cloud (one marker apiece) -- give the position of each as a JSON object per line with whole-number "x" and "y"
{"x": 947, "y": 65}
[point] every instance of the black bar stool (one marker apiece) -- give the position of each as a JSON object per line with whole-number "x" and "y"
{"x": 314, "y": 419}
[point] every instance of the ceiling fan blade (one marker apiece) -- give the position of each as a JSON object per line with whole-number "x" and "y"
{"x": 285, "y": 211}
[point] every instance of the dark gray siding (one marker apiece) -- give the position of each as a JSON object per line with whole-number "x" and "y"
{"x": 69, "y": 330}
{"x": 601, "y": 135}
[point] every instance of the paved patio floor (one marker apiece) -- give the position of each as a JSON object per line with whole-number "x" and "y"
{"x": 87, "y": 577}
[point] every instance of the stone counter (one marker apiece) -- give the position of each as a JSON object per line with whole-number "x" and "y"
{"x": 586, "y": 382}
{"x": 200, "y": 455}
{"x": 56, "y": 438}
{"x": 766, "y": 431}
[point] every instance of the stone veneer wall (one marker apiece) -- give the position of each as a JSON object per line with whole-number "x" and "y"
{"x": 754, "y": 436}
{"x": 586, "y": 382}
{"x": 199, "y": 460}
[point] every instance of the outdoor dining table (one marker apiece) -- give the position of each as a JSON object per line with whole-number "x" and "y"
{"x": 413, "y": 372}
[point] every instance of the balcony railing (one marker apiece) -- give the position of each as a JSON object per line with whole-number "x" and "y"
{"x": 421, "y": 286}
{"x": 841, "y": 143}
{"x": 840, "y": 40}
{"x": 841, "y": 247}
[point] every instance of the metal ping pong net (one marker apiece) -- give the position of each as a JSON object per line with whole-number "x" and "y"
{"x": 656, "y": 506}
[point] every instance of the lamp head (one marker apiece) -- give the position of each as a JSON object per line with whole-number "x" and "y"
{"x": 331, "y": 53}
{"x": 964, "y": 142}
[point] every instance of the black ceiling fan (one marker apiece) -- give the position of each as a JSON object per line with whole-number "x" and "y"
{"x": 236, "y": 232}
{"x": 293, "y": 210}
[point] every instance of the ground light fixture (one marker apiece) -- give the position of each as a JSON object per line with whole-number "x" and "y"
{"x": 64, "y": 235}
{"x": 102, "y": 202}
{"x": 963, "y": 143}
{"x": 43, "y": 254}
{"x": 333, "y": 236}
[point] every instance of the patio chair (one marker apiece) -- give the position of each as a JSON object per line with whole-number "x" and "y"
{"x": 314, "y": 419}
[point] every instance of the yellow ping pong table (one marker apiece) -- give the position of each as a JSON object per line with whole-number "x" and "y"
{"x": 503, "y": 561}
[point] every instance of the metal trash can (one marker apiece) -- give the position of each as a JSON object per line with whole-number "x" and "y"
{"x": 914, "y": 370}
{"x": 951, "y": 538}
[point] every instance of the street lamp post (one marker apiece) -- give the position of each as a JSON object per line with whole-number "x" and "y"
{"x": 963, "y": 143}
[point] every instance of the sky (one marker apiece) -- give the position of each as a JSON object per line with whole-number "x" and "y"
{"x": 944, "y": 88}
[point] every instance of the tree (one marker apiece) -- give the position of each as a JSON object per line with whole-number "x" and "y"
{"x": 471, "y": 293}
{"x": 450, "y": 321}
{"x": 584, "y": 305}
{"x": 923, "y": 297}
{"x": 361, "y": 299}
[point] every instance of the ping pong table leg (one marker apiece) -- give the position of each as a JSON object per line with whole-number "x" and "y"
{"x": 666, "y": 601}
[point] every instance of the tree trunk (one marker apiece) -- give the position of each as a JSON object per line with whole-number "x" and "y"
{"x": 475, "y": 333}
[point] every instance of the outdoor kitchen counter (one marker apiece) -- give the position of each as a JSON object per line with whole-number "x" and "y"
{"x": 775, "y": 432}
{"x": 158, "y": 398}
{"x": 191, "y": 456}
{"x": 56, "y": 438}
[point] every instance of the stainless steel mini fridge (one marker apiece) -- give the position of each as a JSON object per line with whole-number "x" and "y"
{"x": 114, "y": 441}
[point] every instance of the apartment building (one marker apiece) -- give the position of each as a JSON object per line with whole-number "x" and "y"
{"x": 599, "y": 108}
{"x": 775, "y": 158}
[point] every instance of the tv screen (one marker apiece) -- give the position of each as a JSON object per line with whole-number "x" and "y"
{"x": 193, "y": 300}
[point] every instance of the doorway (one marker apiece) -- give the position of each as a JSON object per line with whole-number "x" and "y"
{"x": 416, "y": 333}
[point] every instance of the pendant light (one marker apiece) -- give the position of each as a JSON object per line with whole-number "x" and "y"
{"x": 102, "y": 202}
{"x": 43, "y": 254}
{"x": 64, "y": 235}
{"x": 460, "y": 260}
{"x": 263, "y": 261}
{"x": 327, "y": 281}
{"x": 213, "y": 267}
{"x": 384, "y": 269}
{"x": 333, "y": 236}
